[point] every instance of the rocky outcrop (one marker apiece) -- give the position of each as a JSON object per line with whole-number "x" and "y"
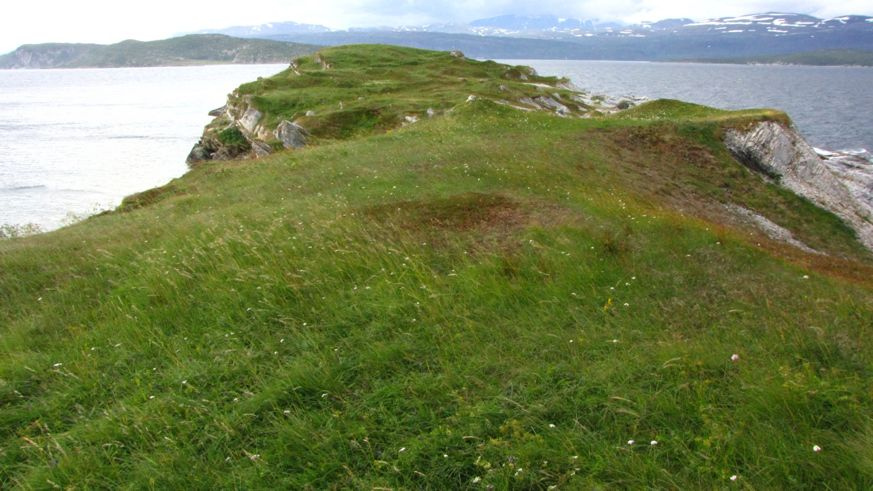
{"x": 292, "y": 135}
{"x": 840, "y": 185}
{"x": 855, "y": 172}
{"x": 238, "y": 132}
{"x": 770, "y": 229}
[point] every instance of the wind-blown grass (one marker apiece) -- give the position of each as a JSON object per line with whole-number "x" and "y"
{"x": 490, "y": 298}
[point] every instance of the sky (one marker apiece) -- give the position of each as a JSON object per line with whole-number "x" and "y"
{"x": 109, "y": 21}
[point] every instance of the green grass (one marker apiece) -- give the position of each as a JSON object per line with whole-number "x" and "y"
{"x": 371, "y": 89}
{"x": 233, "y": 138}
{"x": 490, "y": 297}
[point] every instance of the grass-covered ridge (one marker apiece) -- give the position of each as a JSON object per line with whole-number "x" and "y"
{"x": 492, "y": 297}
{"x": 351, "y": 91}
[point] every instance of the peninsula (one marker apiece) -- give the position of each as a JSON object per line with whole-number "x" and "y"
{"x": 391, "y": 268}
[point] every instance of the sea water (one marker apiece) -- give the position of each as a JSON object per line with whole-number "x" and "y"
{"x": 73, "y": 142}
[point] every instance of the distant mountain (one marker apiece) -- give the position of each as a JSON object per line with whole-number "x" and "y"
{"x": 186, "y": 50}
{"x": 712, "y": 47}
{"x": 771, "y": 23}
{"x": 511, "y": 36}
{"x": 538, "y": 26}
{"x": 270, "y": 29}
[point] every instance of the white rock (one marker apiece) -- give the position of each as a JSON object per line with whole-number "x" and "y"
{"x": 782, "y": 155}
{"x": 249, "y": 119}
{"x": 292, "y": 135}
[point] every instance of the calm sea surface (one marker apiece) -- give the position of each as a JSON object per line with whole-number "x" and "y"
{"x": 76, "y": 141}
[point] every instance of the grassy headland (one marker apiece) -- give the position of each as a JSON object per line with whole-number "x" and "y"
{"x": 491, "y": 297}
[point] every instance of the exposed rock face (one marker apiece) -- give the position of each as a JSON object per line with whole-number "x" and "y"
{"x": 250, "y": 118}
{"x": 770, "y": 229}
{"x": 782, "y": 155}
{"x": 552, "y": 103}
{"x": 856, "y": 173}
{"x": 292, "y": 135}
{"x": 218, "y": 112}
{"x": 238, "y": 132}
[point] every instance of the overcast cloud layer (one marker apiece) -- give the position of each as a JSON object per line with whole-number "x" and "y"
{"x": 108, "y": 21}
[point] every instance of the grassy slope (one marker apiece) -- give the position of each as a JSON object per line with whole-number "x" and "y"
{"x": 490, "y": 297}
{"x": 371, "y": 89}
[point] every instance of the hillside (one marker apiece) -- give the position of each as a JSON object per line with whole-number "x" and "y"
{"x": 494, "y": 296}
{"x": 195, "y": 49}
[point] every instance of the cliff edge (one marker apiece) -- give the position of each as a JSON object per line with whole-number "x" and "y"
{"x": 840, "y": 183}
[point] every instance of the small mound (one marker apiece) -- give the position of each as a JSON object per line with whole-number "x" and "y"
{"x": 670, "y": 109}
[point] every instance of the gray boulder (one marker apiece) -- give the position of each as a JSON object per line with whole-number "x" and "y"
{"x": 553, "y": 104}
{"x": 250, "y": 118}
{"x": 261, "y": 149}
{"x": 198, "y": 154}
{"x": 292, "y": 135}
{"x": 218, "y": 111}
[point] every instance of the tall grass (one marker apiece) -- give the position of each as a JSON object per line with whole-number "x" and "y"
{"x": 493, "y": 299}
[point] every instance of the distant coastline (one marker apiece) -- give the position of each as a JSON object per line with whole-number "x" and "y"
{"x": 190, "y": 50}
{"x": 827, "y": 57}
{"x": 220, "y": 49}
